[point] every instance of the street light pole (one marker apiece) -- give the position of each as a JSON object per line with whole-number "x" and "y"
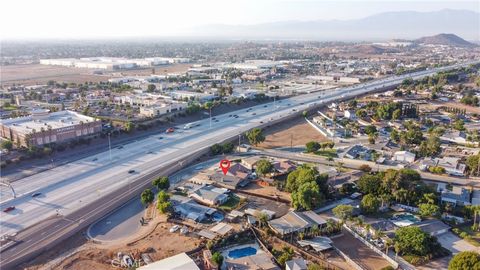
{"x": 210, "y": 117}
{"x": 109, "y": 147}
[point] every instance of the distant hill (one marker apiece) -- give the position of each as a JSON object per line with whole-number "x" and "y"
{"x": 383, "y": 26}
{"x": 445, "y": 39}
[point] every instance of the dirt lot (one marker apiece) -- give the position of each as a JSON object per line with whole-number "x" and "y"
{"x": 358, "y": 252}
{"x": 267, "y": 191}
{"x": 41, "y": 74}
{"x": 296, "y": 132}
{"x": 159, "y": 244}
{"x": 469, "y": 109}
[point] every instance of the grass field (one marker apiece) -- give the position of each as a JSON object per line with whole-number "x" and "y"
{"x": 327, "y": 153}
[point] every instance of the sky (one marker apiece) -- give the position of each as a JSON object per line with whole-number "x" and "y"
{"x": 76, "y": 19}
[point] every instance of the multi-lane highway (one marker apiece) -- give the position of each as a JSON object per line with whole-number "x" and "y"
{"x": 68, "y": 189}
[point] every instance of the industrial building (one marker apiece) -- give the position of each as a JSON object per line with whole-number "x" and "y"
{"x": 112, "y": 63}
{"x": 43, "y": 127}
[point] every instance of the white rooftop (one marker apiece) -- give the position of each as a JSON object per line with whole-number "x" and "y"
{"x": 43, "y": 119}
{"x": 178, "y": 262}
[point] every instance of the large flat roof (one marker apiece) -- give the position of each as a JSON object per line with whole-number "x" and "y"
{"x": 178, "y": 262}
{"x": 43, "y": 119}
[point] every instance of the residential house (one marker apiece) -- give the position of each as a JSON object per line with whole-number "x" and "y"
{"x": 210, "y": 195}
{"x": 259, "y": 261}
{"x": 189, "y": 209}
{"x": 358, "y": 152}
{"x": 452, "y": 165}
{"x": 294, "y": 222}
{"x": 296, "y": 264}
{"x": 458, "y": 137}
{"x": 404, "y": 156}
{"x": 457, "y": 195}
{"x": 434, "y": 227}
{"x": 179, "y": 261}
{"x": 284, "y": 167}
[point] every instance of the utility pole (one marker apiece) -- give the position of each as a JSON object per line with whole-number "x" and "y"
{"x": 239, "y": 138}
{"x": 210, "y": 117}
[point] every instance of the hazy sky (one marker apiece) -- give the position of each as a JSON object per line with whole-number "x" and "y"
{"x": 120, "y": 18}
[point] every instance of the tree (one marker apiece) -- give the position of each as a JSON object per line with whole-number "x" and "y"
{"x": 343, "y": 211}
{"x": 307, "y": 196}
{"x": 263, "y": 167}
{"x": 394, "y": 135}
{"x": 305, "y": 114}
{"x": 217, "y": 258}
{"x": 161, "y": 182}
{"x": 412, "y": 240}
{"x": 465, "y": 260}
{"x": 255, "y": 136}
{"x": 6, "y": 144}
{"x": 430, "y": 147}
{"x": 151, "y": 88}
{"x": 286, "y": 255}
{"x": 459, "y": 125}
{"x": 370, "y": 129}
{"x": 129, "y": 127}
{"x": 397, "y": 114}
{"x": 147, "y": 197}
{"x": 428, "y": 209}
{"x": 369, "y": 204}
{"x": 314, "y": 266}
{"x": 370, "y": 184}
{"x": 365, "y": 168}
{"x": 312, "y": 147}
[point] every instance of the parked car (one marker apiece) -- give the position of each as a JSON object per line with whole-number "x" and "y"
{"x": 170, "y": 130}
{"x": 8, "y": 209}
{"x": 174, "y": 228}
{"x": 131, "y": 171}
{"x": 36, "y": 194}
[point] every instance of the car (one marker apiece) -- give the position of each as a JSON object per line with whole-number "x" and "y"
{"x": 216, "y": 120}
{"x": 301, "y": 103}
{"x": 265, "y": 106}
{"x": 160, "y": 137}
{"x": 131, "y": 171}
{"x": 261, "y": 122}
{"x": 36, "y": 194}
{"x": 254, "y": 113}
{"x": 229, "y": 115}
{"x": 174, "y": 228}
{"x": 184, "y": 230}
{"x": 170, "y": 130}
{"x": 294, "y": 110}
{"x": 8, "y": 209}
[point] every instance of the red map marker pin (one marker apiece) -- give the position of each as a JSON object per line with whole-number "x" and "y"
{"x": 225, "y": 165}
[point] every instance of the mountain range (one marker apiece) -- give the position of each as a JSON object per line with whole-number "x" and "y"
{"x": 382, "y": 26}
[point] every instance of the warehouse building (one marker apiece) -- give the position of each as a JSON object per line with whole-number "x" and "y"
{"x": 43, "y": 127}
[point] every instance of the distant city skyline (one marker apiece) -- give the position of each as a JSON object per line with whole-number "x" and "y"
{"x": 30, "y": 19}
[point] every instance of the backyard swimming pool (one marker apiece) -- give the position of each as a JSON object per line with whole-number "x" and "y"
{"x": 242, "y": 252}
{"x": 404, "y": 219}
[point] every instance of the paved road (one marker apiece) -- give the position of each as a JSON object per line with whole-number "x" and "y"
{"x": 79, "y": 187}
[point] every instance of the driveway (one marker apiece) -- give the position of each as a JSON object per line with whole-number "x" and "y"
{"x": 455, "y": 244}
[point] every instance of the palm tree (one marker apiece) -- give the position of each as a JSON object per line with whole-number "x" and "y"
{"x": 314, "y": 230}
{"x": 262, "y": 219}
{"x": 388, "y": 244}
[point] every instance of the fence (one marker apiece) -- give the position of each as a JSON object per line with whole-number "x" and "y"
{"x": 371, "y": 246}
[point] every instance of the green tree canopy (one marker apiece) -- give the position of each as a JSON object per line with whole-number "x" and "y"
{"x": 370, "y": 204}
{"x": 161, "y": 182}
{"x": 412, "y": 240}
{"x": 147, "y": 197}
{"x": 428, "y": 209}
{"x": 6, "y": 144}
{"x": 263, "y": 167}
{"x": 307, "y": 196}
{"x": 255, "y": 136}
{"x": 343, "y": 211}
{"x": 217, "y": 258}
{"x": 465, "y": 260}
{"x": 312, "y": 147}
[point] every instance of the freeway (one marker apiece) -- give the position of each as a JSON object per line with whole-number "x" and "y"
{"x": 82, "y": 186}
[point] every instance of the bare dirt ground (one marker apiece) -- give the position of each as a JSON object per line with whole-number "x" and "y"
{"x": 469, "y": 109}
{"x": 296, "y": 132}
{"x": 359, "y": 252}
{"x": 40, "y": 74}
{"x": 159, "y": 244}
{"x": 33, "y": 74}
{"x": 267, "y": 191}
